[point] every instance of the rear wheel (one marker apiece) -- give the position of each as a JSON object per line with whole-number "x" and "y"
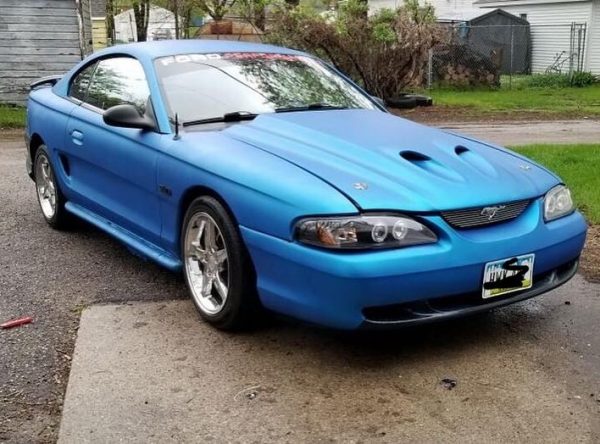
{"x": 50, "y": 198}
{"x": 217, "y": 267}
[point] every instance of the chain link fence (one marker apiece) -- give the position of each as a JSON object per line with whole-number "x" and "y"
{"x": 491, "y": 55}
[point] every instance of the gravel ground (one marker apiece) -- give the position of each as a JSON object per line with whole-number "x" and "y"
{"x": 53, "y": 276}
{"x": 590, "y": 263}
{"x": 441, "y": 113}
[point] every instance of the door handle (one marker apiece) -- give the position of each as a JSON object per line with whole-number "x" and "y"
{"x": 77, "y": 137}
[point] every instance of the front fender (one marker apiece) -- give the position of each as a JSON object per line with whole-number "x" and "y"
{"x": 264, "y": 192}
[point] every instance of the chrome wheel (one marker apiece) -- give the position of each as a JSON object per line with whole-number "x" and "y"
{"x": 46, "y": 188}
{"x": 206, "y": 263}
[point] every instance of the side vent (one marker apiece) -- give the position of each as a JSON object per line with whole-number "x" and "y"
{"x": 65, "y": 164}
{"x": 413, "y": 156}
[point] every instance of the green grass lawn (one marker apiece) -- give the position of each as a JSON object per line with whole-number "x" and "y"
{"x": 567, "y": 102}
{"x": 578, "y": 166}
{"x": 12, "y": 116}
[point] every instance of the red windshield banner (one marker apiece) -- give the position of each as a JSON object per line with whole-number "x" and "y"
{"x": 186, "y": 58}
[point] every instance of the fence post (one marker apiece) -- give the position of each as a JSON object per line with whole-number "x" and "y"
{"x": 572, "y": 67}
{"x": 429, "y": 68}
{"x": 512, "y": 55}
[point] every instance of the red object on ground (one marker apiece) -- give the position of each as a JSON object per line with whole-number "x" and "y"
{"x": 17, "y": 322}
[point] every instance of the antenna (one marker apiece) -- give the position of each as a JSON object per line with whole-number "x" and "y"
{"x": 176, "y": 127}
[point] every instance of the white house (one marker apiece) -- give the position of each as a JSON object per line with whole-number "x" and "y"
{"x": 551, "y": 28}
{"x": 556, "y": 25}
{"x": 161, "y": 25}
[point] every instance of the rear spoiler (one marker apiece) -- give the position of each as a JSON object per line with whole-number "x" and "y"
{"x": 49, "y": 80}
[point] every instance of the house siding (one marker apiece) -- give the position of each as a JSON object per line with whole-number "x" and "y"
{"x": 593, "y": 40}
{"x": 551, "y": 28}
{"x": 37, "y": 38}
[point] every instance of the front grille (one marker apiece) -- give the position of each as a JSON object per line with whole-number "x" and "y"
{"x": 491, "y": 214}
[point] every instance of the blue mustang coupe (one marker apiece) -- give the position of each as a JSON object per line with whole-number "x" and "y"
{"x": 273, "y": 181}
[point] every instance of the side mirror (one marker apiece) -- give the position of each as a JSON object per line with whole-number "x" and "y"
{"x": 127, "y": 116}
{"x": 378, "y": 100}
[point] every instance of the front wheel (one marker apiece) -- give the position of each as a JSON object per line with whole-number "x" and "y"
{"x": 217, "y": 267}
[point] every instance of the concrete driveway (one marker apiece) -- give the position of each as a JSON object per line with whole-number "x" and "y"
{"x": 152, "y": 372}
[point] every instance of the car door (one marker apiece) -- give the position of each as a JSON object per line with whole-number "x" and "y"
{"x": 112, "y": 171}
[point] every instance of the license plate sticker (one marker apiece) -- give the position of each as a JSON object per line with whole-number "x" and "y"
{"x": 507, "y": 275}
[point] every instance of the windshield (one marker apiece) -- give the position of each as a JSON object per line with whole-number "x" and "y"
{"x": 208, "y": 86}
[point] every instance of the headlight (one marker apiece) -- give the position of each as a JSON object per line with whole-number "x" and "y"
{"x": 557, "y": 203}
{"x": 363, "y": 232}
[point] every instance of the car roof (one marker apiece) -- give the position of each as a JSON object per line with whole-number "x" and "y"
{"x": 164, "y": 48}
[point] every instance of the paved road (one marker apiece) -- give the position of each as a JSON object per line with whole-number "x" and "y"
{"x": 524, "y": 363}
{"x": 527, "y": 132}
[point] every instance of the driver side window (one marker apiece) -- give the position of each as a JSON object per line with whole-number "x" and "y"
{"x": 115, "y": 81}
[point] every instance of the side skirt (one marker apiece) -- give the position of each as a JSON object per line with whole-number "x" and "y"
{"x": 134, "y": 242}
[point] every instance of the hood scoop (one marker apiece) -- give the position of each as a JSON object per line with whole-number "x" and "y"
{"x": 476, "y": 161}
{"x": 431, "y": 166}
{"x": 461, "y": 150}
{"x": 413, "y": 156}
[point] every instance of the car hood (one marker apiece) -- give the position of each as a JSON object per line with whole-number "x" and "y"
{"x": 384, "y": 162}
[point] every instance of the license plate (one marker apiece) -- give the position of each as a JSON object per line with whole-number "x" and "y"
{"x": 507, "y": 275}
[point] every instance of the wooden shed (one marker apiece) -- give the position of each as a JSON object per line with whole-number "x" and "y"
{"x": 40, "y": 38}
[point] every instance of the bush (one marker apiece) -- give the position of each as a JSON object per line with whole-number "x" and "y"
{"x": 385, "y": 52}
{"x": 582, "y": 78}
{"x": 578, "y": 79}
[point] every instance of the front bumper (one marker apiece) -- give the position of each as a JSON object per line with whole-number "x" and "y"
{"x": 438, "y": 309}
{"x": 349, "y": 290}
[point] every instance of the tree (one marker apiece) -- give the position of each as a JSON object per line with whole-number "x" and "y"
{"x": 183, "y": 13}
{"x": 141, "y": 13}
{"x": 110, "y": 22}
{"x": 253, "y": 11}
{"x": 217, "y": 9}
{"x": 385, "y": 52}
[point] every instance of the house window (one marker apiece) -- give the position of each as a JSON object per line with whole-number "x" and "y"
{"x": 523, "y": 16}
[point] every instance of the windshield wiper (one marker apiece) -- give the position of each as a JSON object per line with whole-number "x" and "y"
{"x": 309, "y": 107}
{"x": 236, "y": 116}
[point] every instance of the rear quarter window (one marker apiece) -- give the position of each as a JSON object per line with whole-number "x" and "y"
{"x": 81, "y": 83}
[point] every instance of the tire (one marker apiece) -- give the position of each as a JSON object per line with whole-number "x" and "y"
{"x": 402, "y": 102}
{"x": 217, "y": 267}
{"x": 423, "y": 100}
{"x": 50, "y": 197}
